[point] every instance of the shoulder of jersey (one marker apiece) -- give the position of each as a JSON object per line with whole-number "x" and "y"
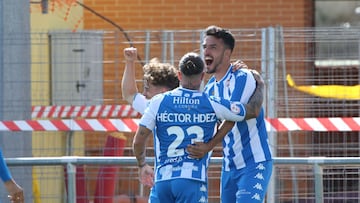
{"x": 242, "y": 72}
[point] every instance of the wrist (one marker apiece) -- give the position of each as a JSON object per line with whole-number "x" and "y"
{"x": 129, "y": 60}
{"x": 211, "y": 145}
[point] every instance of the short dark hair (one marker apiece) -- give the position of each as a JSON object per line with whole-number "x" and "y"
{"x": 191, "y": 64}
{"x": 161, "y": 74}
{"x": 223, "y": 34}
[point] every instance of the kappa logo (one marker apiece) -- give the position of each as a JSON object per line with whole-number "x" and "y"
{"x": 258, "y": 186}
{"x": 203, "y": 199}
{"x": 256, "y": 196}
{"x": 259, "y": 176}
{"x": 240, "y": 73}
{"x": 260, "y": 167}
{"x": 203, "y": 188}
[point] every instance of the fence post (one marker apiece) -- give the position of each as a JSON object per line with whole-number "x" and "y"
{"x": 318, "y": 173}
{"x": 164, "y": 40}
{"x": 268, "y": 73}
{"x": 71, "y": 174}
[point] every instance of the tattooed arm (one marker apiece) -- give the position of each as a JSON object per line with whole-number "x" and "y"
{"x": 253, "y": 107}
{"x": 146, "y": 173}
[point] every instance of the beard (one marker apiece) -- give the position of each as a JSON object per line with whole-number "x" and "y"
{"x": 214, "y": 66}
{"x": 211, "y": 70}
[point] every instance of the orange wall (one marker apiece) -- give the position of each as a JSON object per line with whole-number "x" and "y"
{"x": 186, "y": 15}
{"x": 198, "y": 14}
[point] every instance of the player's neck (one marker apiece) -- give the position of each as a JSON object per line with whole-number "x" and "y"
{"x": 221, "y": 71}
{"x": 191, "y": 84}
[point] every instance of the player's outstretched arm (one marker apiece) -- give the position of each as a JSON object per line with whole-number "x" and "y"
{"x": 128, "y": 82}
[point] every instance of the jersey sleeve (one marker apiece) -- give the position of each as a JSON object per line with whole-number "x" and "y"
{"x": 148, "y": 119}
{"x": 247, "y": 88}
{"x": 228, "y": 110}
{"x": 4, "y": 170}
{"x": 140, "y": 103}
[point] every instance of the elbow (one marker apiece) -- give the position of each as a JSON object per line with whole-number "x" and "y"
{"x": 257, "y": 112}
{"x": 124, "y": 96}
{"x": 252, "y": 112}
{"x": 127, "y": 97}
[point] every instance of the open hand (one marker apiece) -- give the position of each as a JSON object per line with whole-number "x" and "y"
{"x": 239, "y": 64}
{"x": 16, "y": 193}
{"x": 146, "y": 174}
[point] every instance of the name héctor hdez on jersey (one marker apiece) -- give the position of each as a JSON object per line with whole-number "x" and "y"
{"x": 185, "y": 117}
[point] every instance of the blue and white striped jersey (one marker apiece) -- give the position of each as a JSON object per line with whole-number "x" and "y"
{"x": 179, "y": 118}
{"x": 247, "y": 142}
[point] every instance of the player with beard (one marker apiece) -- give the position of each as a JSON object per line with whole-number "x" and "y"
{"x": 247, "y": 160}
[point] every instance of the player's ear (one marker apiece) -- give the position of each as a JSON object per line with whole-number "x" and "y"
{"x": 179, "y": 75}
{"x": 228, "y": 53}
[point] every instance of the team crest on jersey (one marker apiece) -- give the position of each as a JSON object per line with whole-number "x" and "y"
{"x": 235, "y": 108}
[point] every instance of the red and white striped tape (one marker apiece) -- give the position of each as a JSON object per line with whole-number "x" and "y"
{"x": 95, "y": 111}
{"x": 130, "y": 125}
{"x": 102, "y": 125}
{"x": 314, "y": 124}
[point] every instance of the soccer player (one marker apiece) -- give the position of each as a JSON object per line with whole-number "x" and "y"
{"x": 158, "y": 77}
{"x": 247, "y": 160}
{"x": 179, "y": 118}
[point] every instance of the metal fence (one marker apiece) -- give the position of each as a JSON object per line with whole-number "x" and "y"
{"x": 312, "y": 82}
{"x": 314, "y": 169}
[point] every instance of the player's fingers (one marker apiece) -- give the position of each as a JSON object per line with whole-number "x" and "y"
{"x": 150, "y": 181}
{"x": 191, "y": 149}
{"x": 238, "y": 65}
{"x": 130, "y": 51}
{"x": 195, "y": 154}
{"x": 147, "y": 181}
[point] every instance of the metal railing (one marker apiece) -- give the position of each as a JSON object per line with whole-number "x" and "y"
{"x": 71, "y": 161}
